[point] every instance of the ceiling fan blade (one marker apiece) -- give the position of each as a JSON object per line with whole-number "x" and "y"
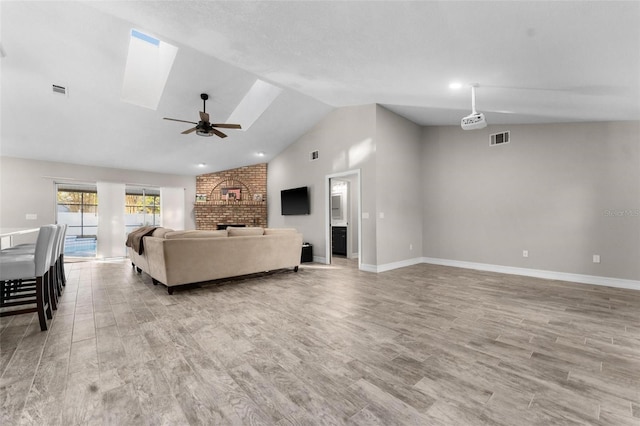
{"x": 181, "y": 121}
{"x": 227, "y": 126}
{"x": 218, "y": 133}
{"x": 186, "y": 132}
{"x": 204, "y": 117}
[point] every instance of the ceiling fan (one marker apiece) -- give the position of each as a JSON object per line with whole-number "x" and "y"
{"x": 204, "y": 127}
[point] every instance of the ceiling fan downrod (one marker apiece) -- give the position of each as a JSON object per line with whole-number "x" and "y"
{"x": 204, "y": 98}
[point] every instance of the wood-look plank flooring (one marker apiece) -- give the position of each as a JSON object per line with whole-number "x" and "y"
{"x": 422, "y": 345}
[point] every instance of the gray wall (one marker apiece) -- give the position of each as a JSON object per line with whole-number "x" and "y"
{"x": 386, "y": 148}
{"x": 28, "y": 186}
{"x": 345, "y": 141}
{"x": 398, "y": 188}
{"x": 564, "y": 192}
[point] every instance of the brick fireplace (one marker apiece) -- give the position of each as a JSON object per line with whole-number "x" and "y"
{"x": 232, "y": 197}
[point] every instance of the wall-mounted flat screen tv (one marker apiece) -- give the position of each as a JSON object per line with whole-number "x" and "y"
{"x": 295, "y": 201}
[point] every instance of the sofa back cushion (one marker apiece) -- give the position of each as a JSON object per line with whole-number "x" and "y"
{"x": 161, "y": 232}
{"x": 195, "y": 234}
{"x": 245, "y": 232}
{"x": 271, "y": 231}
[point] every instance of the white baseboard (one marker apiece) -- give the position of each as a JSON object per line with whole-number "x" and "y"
{"x": 319, "y": 259}
{"x": 538, "y": 273}
{"x": 368, "y": 268}
{"x": 390, "y": 266}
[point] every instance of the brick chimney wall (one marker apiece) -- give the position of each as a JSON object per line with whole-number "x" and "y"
{"x": 223, "y": 207}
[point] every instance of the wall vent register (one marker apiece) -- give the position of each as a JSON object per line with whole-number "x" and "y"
{"x": 499, "y": 138}
{"x": 313, "y": 155}
{"x": 59, "y": 89}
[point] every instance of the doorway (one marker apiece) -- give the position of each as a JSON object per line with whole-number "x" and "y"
{"x": 343, "y": 241}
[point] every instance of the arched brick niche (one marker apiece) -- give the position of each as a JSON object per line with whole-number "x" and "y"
{"x": 233, "y": 197}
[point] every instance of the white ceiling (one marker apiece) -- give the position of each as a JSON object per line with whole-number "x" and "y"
{"x": 534, "y": 62}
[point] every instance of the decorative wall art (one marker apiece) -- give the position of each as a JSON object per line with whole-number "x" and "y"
{"x": 231, "y": 194}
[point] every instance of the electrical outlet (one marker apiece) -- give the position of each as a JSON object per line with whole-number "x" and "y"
{"x": 31, "y": 216}
{"x": 525, "y": 253}
{"x": 596, "y": 258}
{"x": 410, "y": 246}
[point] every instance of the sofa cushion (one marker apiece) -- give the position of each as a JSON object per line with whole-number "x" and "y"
{"x": 271, "y": 231}
{"x": 245, "y": 232}
{"x": 195, "y": 234}
{"x": 161, "y": 232}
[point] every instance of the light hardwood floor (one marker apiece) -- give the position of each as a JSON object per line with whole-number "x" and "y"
{"x": 422, "y": 345}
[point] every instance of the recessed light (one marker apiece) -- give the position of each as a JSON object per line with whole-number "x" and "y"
{"x": 260, "y": 154}
{"x": 201, "y": 164}
{"x": 455, "y": 85}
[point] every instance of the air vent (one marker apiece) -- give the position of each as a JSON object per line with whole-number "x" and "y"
{"x": 59, "y": 89}
{"x": 499, "y": 138}
{"x": 313, "y": 156}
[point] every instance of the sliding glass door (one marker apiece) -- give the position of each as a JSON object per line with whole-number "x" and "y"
{"x": 142, "y": 207}
{"x": 77, "y": 207}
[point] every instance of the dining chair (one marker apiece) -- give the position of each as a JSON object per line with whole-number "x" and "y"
{"x": 56, "y": 267}
{"x": 24, "y": 278}
{"x": 60, "y": 265}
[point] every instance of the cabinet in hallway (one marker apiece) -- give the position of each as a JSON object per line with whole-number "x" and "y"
{"x": 339, "y": 240}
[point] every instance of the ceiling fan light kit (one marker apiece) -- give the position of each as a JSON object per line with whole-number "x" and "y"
{"x": 204, "y": 127}
{"x": 475, "y": 120}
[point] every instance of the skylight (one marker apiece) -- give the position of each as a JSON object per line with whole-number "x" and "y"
{"x": 255, "y": 102}
{"x": 148, "y": 65}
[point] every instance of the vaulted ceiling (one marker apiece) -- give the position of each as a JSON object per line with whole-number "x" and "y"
{"x": 534, "y": 62}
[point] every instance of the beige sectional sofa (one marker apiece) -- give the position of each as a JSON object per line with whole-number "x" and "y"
{"x": 176, "y": 258}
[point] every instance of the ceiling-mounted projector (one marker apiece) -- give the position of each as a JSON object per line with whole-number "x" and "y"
{"x": 475, "y": 120}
